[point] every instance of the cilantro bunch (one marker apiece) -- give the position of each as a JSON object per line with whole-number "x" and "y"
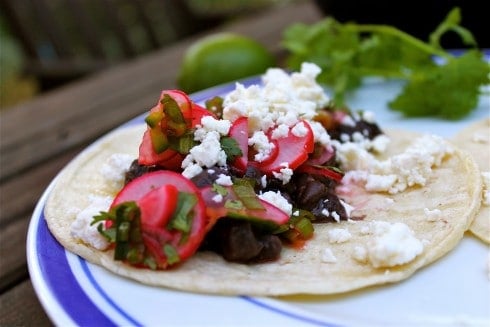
{"x": 349, "y": 52}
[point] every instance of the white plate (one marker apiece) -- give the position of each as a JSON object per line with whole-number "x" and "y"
{"x": 455, "y": 290}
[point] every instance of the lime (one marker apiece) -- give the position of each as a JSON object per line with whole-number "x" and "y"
{"x": 221, "y": 58}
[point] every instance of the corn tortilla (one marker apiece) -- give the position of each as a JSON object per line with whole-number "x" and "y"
{"x": 454, "y": 188}
{"x": 475, "y": 139}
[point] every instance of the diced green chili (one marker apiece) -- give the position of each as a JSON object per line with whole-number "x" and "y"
{"x": 246, "y": 193}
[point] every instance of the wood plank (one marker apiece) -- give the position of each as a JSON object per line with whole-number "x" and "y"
{"x": 18, "y": 196}
{"x": 20, "y": 307}
{"x": 84, "y": 110}
{"x": 13, "y": 266}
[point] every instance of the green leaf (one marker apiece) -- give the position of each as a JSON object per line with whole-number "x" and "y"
{"x": 448, "y": 91}
{"x": 221, "y": 190}
{"x": 182, "y": 217}
{"x": 171, "y": 254}
{"x": 246, "y": 193}
{"x": 234, "y": 204}
{"x": 231, "y": 148}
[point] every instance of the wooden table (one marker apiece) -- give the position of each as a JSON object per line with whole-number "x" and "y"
{"x": 39, "y": 137}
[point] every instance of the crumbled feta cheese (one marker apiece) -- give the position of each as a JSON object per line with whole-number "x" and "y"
{"x": 379, "y": 143}
{"x": 379, "y": 183}
{"x": 392, "y": 244}
{"x": 345, "y": 137}
{"x": 432, "y": 215}
{"x": 209, "y": 123}
{"x": 369, "y": 117}
{"x": 359, "y": 254}
{"x": 284, "y": 174}
{"x": 348, "y": 121}
{"x": 276, "y": 199}
{"x": 260, "y": 142}
{"x": 335, "y": 216}
{"x": 206, "y": 154}
{"x": 263, "y": 181}
{"x": 358, "y": 137}
{"x": 224, "y": 180}
{"x": 328, "y": 256}
{"x": 191, "y": 170}
{"x": 486, "y": 188}
{"x": 282, "y": 99}
{"x": 409, "y": 168}
{"x": 114, "y": 169}
{"x": 320, "y": 134}
{"x": 280, "y": 131}
{"x": 218, "y": 198}
{"x": 339, "y": 235}
{"x": 299, "y": 130}
{"x": 81, "y": 228}
{"x": 348, "y": 208}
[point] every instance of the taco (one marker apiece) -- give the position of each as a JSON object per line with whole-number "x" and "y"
{"x": 475, "y": 139}
{"x": 400, "y": 205}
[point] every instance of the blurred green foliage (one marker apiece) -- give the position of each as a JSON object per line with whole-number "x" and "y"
{"x": 15, "y": 87}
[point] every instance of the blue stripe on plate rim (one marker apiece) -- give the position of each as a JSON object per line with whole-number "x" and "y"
{"x": 56, "y": 286}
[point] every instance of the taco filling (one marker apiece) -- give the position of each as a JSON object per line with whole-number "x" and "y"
{"x": 269, "y": 177}
{"x": 240, "y": 178}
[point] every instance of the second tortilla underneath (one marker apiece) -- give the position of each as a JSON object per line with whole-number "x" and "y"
{"x": 475, "y": 139}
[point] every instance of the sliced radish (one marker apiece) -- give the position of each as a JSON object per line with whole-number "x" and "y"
{"x": 239, "y": 132}
{"x": 270, "y": 216}
{"x": 148, "y": 156}
{"x": 320, "y": 170}
{"x": 146, "y": 191}
{"x": 158, "y": 205}
{"x": 292, "y": 151}
{"x": 198, "y": 113}
{"x": 320, "y": 154}
{"x": 182, "y": 99}
{"x": 169, "y": 158}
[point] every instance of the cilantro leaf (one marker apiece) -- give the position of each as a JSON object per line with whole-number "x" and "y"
{"x": 231, "y": 148}
{"x": 182, "y": 216}
{"x": 449, "y": 91}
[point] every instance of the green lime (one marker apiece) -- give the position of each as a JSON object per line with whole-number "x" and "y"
{"x": 221, "y": 58}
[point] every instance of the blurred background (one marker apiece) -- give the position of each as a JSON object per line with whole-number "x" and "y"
{"x": 47, "y": 43}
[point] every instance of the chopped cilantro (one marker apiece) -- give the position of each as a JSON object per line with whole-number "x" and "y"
{"x": 182, "y": 217}
{"x": 245, "y": 192}
{"x": 231, "y": 148}
{"x": 234, "y": 204}
{"x": 125, "y": 230}
{"x": 221, "y": 190}
{"x": 171, "y": 253}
